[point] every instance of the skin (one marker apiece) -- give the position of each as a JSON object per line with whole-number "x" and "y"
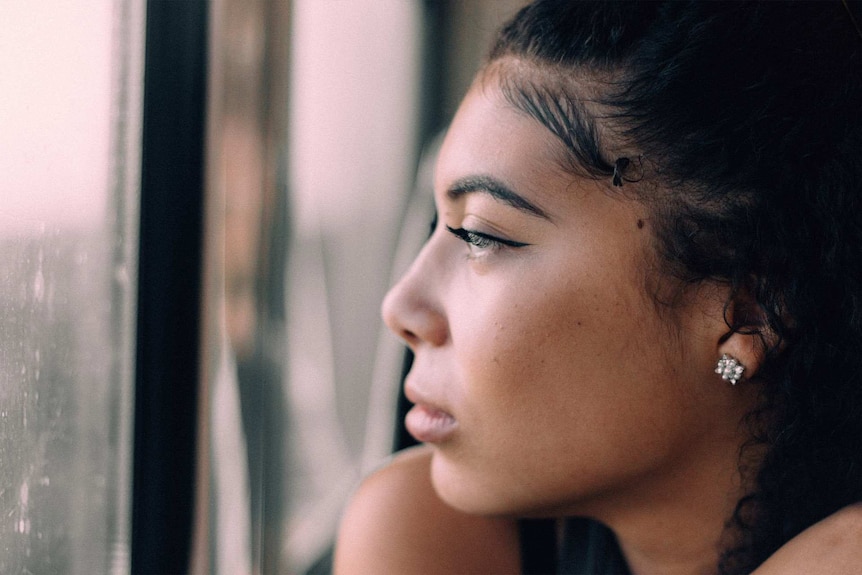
{"x": 572, "y": 392}
{"x": 396, "y": 523}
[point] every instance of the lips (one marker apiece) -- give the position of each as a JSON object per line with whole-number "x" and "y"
{"x": 429, "y": 424}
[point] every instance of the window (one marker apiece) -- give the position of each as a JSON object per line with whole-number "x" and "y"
{"x": 372, "y": 83}
{"x": 201, "y": 205}
{"x": 70, "y": 159}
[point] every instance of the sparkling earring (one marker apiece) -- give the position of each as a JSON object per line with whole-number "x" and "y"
{"x": 729, "y": 368}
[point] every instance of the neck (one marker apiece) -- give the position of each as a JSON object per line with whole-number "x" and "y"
{"x": 676, "y": 525}
{"x": 682, "y": 536}
{"x": 678, "y": 547}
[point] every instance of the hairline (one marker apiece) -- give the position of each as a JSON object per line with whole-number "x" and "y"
{"x": 513, "y": 76}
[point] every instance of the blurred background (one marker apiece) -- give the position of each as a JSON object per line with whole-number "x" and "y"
{"x": 202, "y": 205}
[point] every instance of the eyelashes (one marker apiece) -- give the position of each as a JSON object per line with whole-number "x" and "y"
{"x": 482, "y": 240}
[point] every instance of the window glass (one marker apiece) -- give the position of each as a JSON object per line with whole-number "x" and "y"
{"x": 69, "y": 166}
{"x": 319, "y": 112}
{"x": 243, "y": 319}
{"x": 372, "y": 84}
{"x": 352, "y": 123}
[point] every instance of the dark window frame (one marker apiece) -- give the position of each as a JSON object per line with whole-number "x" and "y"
{"x": 167, "y": 378}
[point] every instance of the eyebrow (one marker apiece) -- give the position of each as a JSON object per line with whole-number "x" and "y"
{"x": 497, "y": 190}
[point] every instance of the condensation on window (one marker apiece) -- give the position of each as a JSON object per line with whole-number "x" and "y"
{"x": 69, "y": 163}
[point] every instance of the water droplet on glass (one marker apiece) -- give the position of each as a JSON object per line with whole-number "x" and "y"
{"x": 39, "y": 287}
{"x": 121, "y": 275}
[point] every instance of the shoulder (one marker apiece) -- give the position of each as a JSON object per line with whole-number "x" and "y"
{"x": 833, "y": 546}
{"x": 395, "y": 523}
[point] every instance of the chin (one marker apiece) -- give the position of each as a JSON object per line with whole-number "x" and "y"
{"x": 475, "y": 495}
{"x": 461, "y": 492}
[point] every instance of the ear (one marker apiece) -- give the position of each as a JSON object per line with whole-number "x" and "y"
{"x": 749, "y": 336}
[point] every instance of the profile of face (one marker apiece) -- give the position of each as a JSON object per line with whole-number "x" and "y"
{"x": 546, "y": 377}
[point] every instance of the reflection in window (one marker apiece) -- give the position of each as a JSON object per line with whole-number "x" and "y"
{"x": 68, "y": 163}
{"x": 372, "y": 83}
{"x": 244, "y": 317}
{"x": 354, "y": 88}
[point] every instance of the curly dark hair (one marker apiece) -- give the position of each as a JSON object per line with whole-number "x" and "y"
{"x": 742, "y": 124}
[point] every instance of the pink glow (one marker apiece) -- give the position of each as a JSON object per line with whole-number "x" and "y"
{"x": 55, "y": 112}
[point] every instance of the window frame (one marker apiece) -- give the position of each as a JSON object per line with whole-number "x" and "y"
{"x": 167, "y": 378}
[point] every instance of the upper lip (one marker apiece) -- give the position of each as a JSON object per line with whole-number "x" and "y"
{"x": 417, "y": 395}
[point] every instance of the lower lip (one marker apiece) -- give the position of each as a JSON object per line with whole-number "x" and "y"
{"x": 430, "y": 425}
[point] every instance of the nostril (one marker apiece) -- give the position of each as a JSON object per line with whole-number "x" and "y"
{"x": 400, "y": 320}
{"x": 408, "y": 336}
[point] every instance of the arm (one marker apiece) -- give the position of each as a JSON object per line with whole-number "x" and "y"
{"x": 395, "y": 523}
{"x": 831, "y": 547}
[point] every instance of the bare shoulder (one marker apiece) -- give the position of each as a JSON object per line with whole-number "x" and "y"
{"x": 395, "y": 523}
{"x": 831, "y": 547}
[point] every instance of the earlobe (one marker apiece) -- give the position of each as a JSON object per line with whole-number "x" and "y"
{"x": 730, "y": 369}
{"x": 740, "y": 356}
{"x": 741, "y": 351}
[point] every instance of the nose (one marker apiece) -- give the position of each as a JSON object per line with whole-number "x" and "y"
{"x": 412, "y": 309}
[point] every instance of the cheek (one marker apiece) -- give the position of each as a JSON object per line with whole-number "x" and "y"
{"x": 538, "y": 352}
{"x": 554, "y": 330}
{"x": 559, "y": 376}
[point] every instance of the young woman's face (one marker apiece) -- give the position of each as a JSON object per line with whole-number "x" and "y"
{"x": 544, "y": 375}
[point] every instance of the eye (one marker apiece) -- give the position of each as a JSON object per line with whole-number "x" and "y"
{"x": 480, "y": 242}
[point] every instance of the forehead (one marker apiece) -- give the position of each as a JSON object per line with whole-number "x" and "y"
{"x": 488, "y": 136}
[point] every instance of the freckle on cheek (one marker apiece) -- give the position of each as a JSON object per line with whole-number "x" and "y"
{"x": 640, "y": 224}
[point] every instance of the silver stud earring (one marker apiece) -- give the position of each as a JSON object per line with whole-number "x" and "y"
{"x": 729, "y": 368}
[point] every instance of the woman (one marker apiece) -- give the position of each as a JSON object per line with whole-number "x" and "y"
{"x": 641, "y": 304}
